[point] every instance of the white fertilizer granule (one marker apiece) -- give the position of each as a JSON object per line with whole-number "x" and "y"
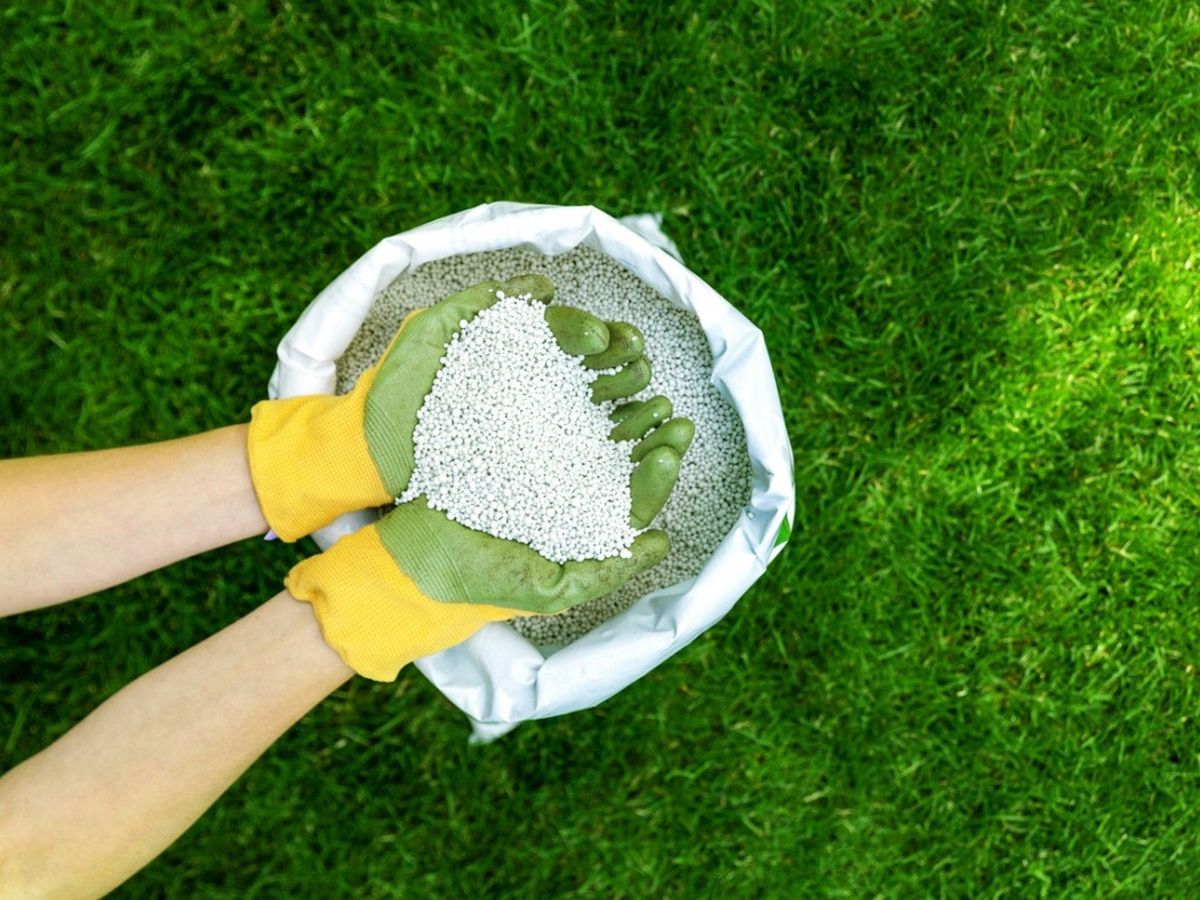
{"x": 509, "y": 442}
{"x": 714, "y": 479}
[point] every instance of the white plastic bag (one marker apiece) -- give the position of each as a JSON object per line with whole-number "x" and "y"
{"x": 497, "y": 677}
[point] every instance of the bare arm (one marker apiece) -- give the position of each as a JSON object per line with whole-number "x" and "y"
{"x": 82, "y": 522}
{"x": 99, "y": 803}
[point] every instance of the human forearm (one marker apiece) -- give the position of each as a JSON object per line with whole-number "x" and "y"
{"x": 90, "y": 810}
{"x": 76, "y": 523}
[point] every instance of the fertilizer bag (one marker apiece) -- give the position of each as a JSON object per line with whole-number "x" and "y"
{"x": 498, "y": 677}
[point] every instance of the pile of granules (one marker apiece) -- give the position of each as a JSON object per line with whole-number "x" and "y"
{"x": 714, "y": 479}
{"x": 509, "y": 442}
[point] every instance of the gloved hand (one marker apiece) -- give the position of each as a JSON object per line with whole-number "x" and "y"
{"x": 313, "y": 458}
{"x": 415, "y": 582}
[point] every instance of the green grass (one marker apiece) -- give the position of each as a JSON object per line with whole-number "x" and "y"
{"x": 969, "y": 233}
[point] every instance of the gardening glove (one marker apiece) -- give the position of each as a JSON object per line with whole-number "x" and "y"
{"x": 416, "y": 582}
{"x": 313, "y": 458}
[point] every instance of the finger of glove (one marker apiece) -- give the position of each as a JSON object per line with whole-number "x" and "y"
{"x": 425, "y": 335}
{"x": 676, "y": 434}
{"x": 467, "y": 303}
{"x": 559, "y": 587}
{"x": 588, "y": 579}
{"x": 625, "y": 410}
{"x": 625, "y": 344}
{"x": 578, "y": 333}
{"x": 623, "y": 383}
{"x": 650, "y": 485}
{"x": 639, "y": 421}
{"x": 538, "y": 287}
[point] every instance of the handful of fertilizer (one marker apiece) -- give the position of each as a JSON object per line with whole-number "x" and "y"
{"x": 516, "y": 437}
{"x": 713, "y": 485}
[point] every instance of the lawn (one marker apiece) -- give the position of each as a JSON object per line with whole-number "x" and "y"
{"x": 969, "y": 232}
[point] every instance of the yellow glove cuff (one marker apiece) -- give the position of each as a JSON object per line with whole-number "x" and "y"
{"x": 373, "y": 614}
{"x": 309, "y": 460}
